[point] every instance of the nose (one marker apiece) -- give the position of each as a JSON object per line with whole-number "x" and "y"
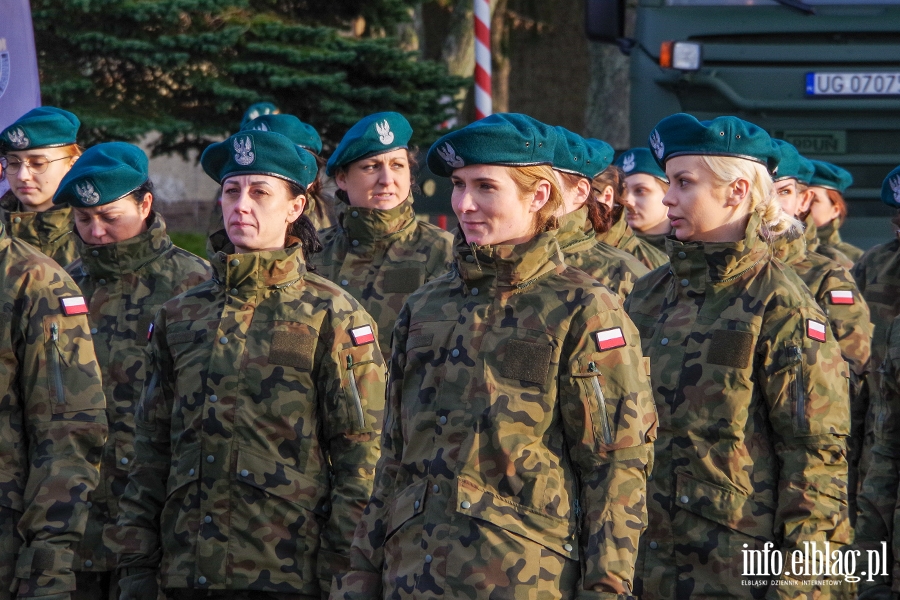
{"x": 385, "y": 176}
{"x": 243, "y": 202}
{"x": 98, "y": 230}
{"x": 669, "y": 198}
{"x": 462, "y": 202}
{"x": 24, "y": 173}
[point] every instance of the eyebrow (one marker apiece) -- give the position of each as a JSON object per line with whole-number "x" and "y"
{"x": 680, "y": 173}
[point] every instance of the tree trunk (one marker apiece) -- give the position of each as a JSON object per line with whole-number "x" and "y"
{"x": 609, "y": 92}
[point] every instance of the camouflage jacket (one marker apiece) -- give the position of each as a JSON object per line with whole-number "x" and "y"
{"x": 52, "y": 424}
{"x": 830, "y": 236}
{"x": 657, "y": 240}
{"x": 753, "y": 415}
{"x": 50, "y": 231}
{"x": 515, "y": 447}
{"x": 124, "y": 285}
{"x": 879, "y": 509}
{"x": 614, "y": 268}
{"x": 813, "y": 244}
{"x": 380, "y": 257}
{"x": 257, "y": 432}
{"x": 621, "y": 236}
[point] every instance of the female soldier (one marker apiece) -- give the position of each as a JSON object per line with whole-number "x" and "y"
{"x": 256, "y": 436}
{"x": 645, "y": 186}
{"x": 828, "y": 210}
{"x": 379, "y": 251}
{"x": 519, "y": 420}
{"x": 749, "y": 384}
{"x": 39, "y": 149}
{"x": 609, "y": 185}
{"x": 575, "y": 164}
{"x": 127, "y": 270}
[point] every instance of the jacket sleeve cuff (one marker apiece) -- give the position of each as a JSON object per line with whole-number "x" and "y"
{"x": 356, "y": 585}
{"x": 43, "y": 571}
{"x": 135, "y": 543}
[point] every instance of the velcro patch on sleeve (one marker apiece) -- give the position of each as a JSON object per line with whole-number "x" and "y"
{"x": 730, "y": 348}
{"x": 815, "y": 330}
{"x": 74, "y": 305}
{"x": 362, "y": 335}
{"x": 401, "y": 281}
{"x": 292, "y": 349}
{"x": 841, "y": 296}
{"x": 526, "y": 361}
{"x": 609, "y": 339}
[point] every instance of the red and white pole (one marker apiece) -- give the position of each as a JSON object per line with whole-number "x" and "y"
{"x": 483, "y": 103}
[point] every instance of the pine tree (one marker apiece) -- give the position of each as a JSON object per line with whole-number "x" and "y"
{"x": 189, "y": 68}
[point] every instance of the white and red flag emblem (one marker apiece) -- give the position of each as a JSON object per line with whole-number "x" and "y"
{"x": 74, "y": 305}
{"x": 362, "y": 335}
{"x": 841, "y": 297}
{"x": 607, "y": 339}
{"x": 815, "y": 330}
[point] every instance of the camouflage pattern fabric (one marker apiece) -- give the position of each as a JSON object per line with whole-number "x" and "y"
{"x": 753, "y": 418}
{"x": 515, "y": 447}
{"x": 50, "y": 231}
{"x": 321, "y": 211}
{"x": 657, "y": 240}
{"x": 830, "y": 236}
{"x": 257, "y": 432}
{"x": 124, "y": 285}
{"x": 814, "y": 245}
{"x": 616, "y": 269}
{"x": 380, "y": 257}
{"x": 621, "y": 236}
{"x": 52, "y": 424}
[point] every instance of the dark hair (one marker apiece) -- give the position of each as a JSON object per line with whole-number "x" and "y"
{"x": 612, "y": 177}
{"x": 143, "y": 190}
{"x": 303, "y": 229}
{"x": 598, "y": 214}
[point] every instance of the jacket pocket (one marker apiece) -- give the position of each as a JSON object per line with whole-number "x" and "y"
{"x": 555, "y": 534}
{"x": 55, "y": 361}
{"x": 406, "y": 505}
{"x": 726, "y": 507}
{"x": 280, "y": 480}
{"x": 591, "y": 383}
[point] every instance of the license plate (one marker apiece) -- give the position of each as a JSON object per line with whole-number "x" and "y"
{"x": 853, "y": 84}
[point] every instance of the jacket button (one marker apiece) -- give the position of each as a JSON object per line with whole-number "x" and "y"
{"x": 682, "y": 255}
{"x": 213, "y": 398}
{"x": 470, "y": 259}
{"x": 567, "y": 547}
{"x": 207, "y": 519}
{"x": 95, "y": 253}
{"x": 455, "y": 353}
{"x": 93, "y": 331}
{"x": 354, "y": 214}
{"x": 245, "y": 473}
{"x": 684, "y": 499}
{"x": 474, "y": 291}
{"x": 428, "y": 558}
{"x": 355, "y": 243}
{"x": 654, "y": 545}
{"x": 650, "y": 477}
{"x": 17, "y": 220}
{"x": 417, "y": 504}
{"x": 345, "y": 282}
{"x": 89, "y": 563}
{"x": 124, "y": 461}
{"x": 234, "y": 291}
{"x": 664, "y": 341}
{"x": 435, "y": 488}
{"x": 210, "y": 459}
{"x": 90, "y": 504}
{"x": 102, "y": 282}
{"x": 466, "y": 505}
{"x": 191, "y": 472}
{"x": 685, "y": 282}
{"x": 201, "y": 580}
{"x": 223, "y": 340}
{"x": 234, "y": 262}
{"x": 442, "y": 420}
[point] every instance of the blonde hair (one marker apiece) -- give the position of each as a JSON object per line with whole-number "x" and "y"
{"x": 527, "y": 180}
{"x": 774, "y": 222}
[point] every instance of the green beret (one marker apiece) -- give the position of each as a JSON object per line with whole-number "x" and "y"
{"x": 890, "y": 189}
{"x": 372, "y": 135}
{"x": 578, "y": 156}
{"x": 683, "y": 134}
{"x": 257, "y": 110}
{"x": 508, "y": 139}
{"x": 259, "y": 153}
{"x": 43, "y": 127}
{"x": 289, "y": 126}
{"x": 830, "y": 176}
{"x": 793, "y": 164}
{"x": 103, "y": 174}
{"x": 640, "y": 160}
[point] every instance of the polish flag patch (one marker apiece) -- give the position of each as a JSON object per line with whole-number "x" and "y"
{"x": 608, "y": 339}
{"x": 150, "y": 332}
{"x": 841, "y": 297}
{"x": 815, "y": 330}
{"x": 362, "y": 335}
{"x": 74, "y": 305}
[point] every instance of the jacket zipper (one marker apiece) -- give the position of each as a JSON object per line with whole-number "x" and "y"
{"x": 360, "y": 417}
{"x": 154, "y": 381}
{"x": 601, "y": 401}
{"x": 54, "y": 364}
{"x": 799, "y": 389}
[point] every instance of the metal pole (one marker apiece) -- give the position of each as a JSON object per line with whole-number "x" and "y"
{"x": 483, "y": 101}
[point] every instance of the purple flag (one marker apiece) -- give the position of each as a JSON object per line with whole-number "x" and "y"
{"x": 20, "y": 89}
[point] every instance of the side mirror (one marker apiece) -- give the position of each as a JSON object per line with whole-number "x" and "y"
{"x": 604, "y": 20}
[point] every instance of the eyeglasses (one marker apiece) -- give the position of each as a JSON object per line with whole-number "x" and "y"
{"x": 35, "y": 164}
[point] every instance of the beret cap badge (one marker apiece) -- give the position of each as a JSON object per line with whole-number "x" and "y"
{"x": 385, "y": 135}
{"x": 243, "y": 147}
{"x": 17, "y": 138}
{"x": 657, "y": 144}
{"x": 87, "y": 193}
{"x": 450, "y": 156}
{"x": 628, "y": 162}
{"x": 895, "y": 187}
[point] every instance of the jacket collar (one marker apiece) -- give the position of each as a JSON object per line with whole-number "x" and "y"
{"x": 811, "y": 234}
{"x": 509, "y": 268}
{"x": 367, "y": 226}
{"x": 120, "y": 258}
{"x": 789, "y": 250}
{"x": 575, "y": 231}
{"x": 619, "y": 234}
{"x": 36, "y": 226}
{"x": 830, "y": 233}
{"x": 254, "y": 270}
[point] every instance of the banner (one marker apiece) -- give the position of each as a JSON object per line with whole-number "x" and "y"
{"x": 20, "y": 89}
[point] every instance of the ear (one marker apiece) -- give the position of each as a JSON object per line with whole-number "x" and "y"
{"x": 541, "y": 196}
{"x": 584, "y": 190}
{"x": 295, "y": 208}
{"x": 146, "y": 205}
{"x": 738, "y": 192}
{"x": 608, "y": 196}
{"x": 340, "y": 178}
{"x": 806, "y": 201}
